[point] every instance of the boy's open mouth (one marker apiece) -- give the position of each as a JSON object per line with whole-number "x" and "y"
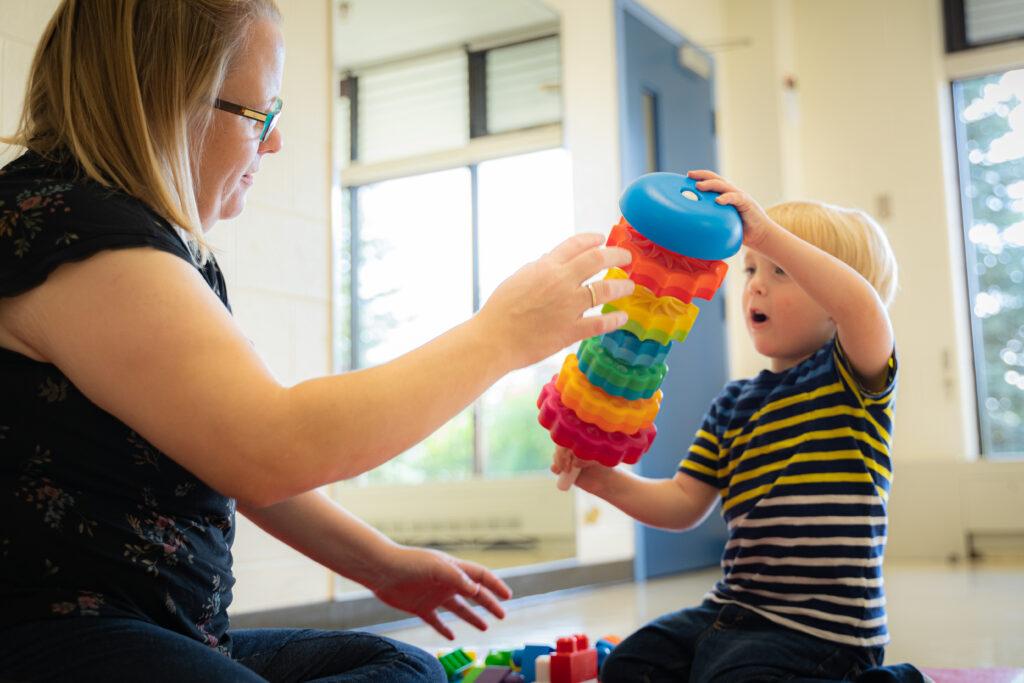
{"x": 758, "y": 316}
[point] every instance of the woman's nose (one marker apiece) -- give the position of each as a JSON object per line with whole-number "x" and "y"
{"x": 273, "y": 143}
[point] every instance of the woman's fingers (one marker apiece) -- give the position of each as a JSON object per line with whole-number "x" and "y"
{"x": 487, "y": 588}
{"x": 457, "y": 606}
{"x": 486, "y": 599}
{"x": 596, "y": 325}
{"x": 589, "y": 263}
{"x": 598, "y": 293}
{"x": 434, "y": 619}
{"x": 610, "y": 289}
{"x": 575, "y": 245}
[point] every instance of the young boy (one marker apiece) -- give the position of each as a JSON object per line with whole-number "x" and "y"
{"x": 800, "y": 457}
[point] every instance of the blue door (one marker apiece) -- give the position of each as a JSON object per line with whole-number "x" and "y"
{"x": 667, "y": 124}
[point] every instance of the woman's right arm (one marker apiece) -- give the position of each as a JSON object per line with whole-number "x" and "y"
{"x": 141, "y": 334}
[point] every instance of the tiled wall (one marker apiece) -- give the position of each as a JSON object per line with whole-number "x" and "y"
{"x": 276, "y": 255}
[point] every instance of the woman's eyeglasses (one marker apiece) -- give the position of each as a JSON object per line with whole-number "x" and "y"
{"x": 268, "y": 119}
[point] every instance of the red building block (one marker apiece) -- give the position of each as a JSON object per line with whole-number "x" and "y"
{"x": 573, "y": 660}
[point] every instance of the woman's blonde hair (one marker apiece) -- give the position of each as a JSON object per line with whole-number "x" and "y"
{"x": 850, "y": 235}
{"x": 126, "y": 87}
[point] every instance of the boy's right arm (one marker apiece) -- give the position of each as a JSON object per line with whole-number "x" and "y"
{"x": 679, "y": 503}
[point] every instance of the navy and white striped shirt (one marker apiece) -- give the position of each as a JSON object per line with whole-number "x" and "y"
{"x": 802, "y": 461}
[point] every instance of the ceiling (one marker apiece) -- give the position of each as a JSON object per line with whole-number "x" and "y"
{"x": 371, "y": 31}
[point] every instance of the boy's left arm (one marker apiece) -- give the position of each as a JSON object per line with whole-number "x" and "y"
{"x": 862, "y": 322}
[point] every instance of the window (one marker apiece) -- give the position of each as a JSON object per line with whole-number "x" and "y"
{"x": 974, "y": 23}
{"x": 990, "y": 147}
{"x": 436, "y": 219}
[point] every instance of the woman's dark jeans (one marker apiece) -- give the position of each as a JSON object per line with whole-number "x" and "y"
{"x": 127, "y": 650}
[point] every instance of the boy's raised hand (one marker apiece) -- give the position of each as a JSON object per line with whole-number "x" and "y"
{"x": 756, "y": 222}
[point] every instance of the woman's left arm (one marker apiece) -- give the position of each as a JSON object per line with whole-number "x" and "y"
{"x": 415, "y": 580}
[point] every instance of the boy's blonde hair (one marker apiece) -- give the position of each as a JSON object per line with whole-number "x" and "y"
{"x": 126, "y": 88}
{"x": 850, "y": 235}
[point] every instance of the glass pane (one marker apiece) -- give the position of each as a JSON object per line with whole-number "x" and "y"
{"x": 414, "y": 107}
{"x": 990, "y": 123}
{"x": 524, "y": 85}
{"x": 447, "y": 455}
{"x": 525, "y": 206}
{"x": 415, "y": 282}
{"x": 992, "y": 20}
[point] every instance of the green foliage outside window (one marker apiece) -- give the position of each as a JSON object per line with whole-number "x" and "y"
{"x": 990, "y": 121}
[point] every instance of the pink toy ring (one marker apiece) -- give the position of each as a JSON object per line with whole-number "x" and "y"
{"x": 587, "y": 441}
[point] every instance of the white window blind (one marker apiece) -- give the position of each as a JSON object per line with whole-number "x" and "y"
{"x": 524, "y": 85}
{"x": 992, "y": 20}
{"x": 414, "y": 107}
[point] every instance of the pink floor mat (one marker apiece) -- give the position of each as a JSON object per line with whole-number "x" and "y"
{"x": 975, "y": 675}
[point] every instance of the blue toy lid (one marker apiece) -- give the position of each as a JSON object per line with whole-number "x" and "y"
{"x": 669, "y": 210}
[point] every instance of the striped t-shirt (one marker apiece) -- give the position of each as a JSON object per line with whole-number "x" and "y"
{"x": 802, "y": 461}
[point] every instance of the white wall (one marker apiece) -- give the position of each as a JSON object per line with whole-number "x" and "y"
{"x": 23, "y": 23}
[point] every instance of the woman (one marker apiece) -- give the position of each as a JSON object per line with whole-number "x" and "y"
{"x": 135, "y": 416}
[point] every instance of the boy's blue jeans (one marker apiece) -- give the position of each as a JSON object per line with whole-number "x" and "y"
{"x": 727, "y": 644}
{"x": 109, "y": 649}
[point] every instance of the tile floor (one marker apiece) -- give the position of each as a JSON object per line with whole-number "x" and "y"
{"x": 940, "y": 615}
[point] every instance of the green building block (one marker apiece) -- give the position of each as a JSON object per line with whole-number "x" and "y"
{"x": 455, "y": 663}
{"x": 499, "y": 658}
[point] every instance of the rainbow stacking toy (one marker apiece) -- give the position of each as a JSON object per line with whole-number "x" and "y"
{"x": 602, "y": 404}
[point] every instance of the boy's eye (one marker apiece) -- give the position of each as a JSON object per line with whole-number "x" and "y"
{"x": 779, "y": 271}
{"x": 749, "y": 270}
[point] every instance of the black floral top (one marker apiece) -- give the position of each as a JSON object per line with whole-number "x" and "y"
{"x": 95, "y": 521}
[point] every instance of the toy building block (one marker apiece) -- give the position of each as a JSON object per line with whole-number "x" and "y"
{"x": 499, "y": 674}
{"x": 542, "y": 669}
{"x": 573, "y": 661}
{"x": 604, "y": 646}
{"x": 499, "y": 658}
{"x": 456, "y": 663}
{"x": 525, "y": 659}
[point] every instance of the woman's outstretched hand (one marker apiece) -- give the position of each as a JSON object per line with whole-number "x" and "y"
{"x": 419, "y": 581}
{"x": 539, "y": 309}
